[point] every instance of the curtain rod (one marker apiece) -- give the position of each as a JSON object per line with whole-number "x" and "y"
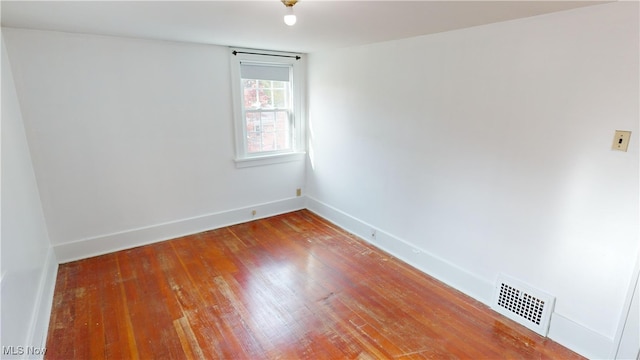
{"x": 234, "y": 52}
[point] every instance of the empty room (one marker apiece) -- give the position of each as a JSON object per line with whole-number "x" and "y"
{"x": 320, "y": 179}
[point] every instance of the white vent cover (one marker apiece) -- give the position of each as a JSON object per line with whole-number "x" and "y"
{"x": 524, "y": 304}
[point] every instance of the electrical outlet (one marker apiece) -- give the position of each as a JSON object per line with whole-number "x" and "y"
{"x": 621, "y": 140}
{"x": 253, "y": 213}
{"x": 298, "y": 192}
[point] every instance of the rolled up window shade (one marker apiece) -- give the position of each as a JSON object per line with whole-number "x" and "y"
{"x": 264, "y": 72}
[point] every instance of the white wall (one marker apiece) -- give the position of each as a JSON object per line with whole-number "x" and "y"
{"x": 132, "y": 141}
{"x": 486, "y": 151}
{"x": 28, "y": 264}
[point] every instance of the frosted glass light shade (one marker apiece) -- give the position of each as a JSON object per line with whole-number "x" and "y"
{"x": 290, "y": 20}
{"x": 290, "y": 17}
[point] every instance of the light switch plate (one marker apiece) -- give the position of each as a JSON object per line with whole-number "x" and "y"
{"x": 621, "y": 140}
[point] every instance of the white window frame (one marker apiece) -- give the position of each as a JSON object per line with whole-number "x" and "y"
{"x": 243, "y": 157}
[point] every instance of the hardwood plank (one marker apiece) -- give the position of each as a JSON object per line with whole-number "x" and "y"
{"x": 292, "y": 286}
{"x": 116, "y": 316}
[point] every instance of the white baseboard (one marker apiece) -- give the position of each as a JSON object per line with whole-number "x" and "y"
{"x": 562, "y": 330}
{"x": 109, "y": 243}
{"x": 578, "y": 338}
{"x": 37, "y": 336}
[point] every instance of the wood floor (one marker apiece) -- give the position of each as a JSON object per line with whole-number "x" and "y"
{"x": 288, "y": 287}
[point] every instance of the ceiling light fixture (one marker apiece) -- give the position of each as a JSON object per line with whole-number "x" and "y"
{"x": 290, "y": 17}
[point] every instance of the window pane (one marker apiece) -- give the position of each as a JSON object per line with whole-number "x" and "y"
{"x": 250, "y": 94}
{"x": 280, "y": 98}
{"x": 267, "y": 131}
{"x": 252, "y": 121}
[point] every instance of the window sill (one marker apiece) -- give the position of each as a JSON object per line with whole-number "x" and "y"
{"x": 269, "y": 159}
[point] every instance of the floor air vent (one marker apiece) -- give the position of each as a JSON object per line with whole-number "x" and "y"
{"x": 522, "y": 303}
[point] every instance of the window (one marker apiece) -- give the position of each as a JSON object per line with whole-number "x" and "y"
{"x": 267, "y": 107}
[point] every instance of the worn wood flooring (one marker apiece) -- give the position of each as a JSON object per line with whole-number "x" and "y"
{"x": 292, "y": 286}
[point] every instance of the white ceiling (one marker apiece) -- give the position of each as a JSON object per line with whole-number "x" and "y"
{"x": 322, "y": 24}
